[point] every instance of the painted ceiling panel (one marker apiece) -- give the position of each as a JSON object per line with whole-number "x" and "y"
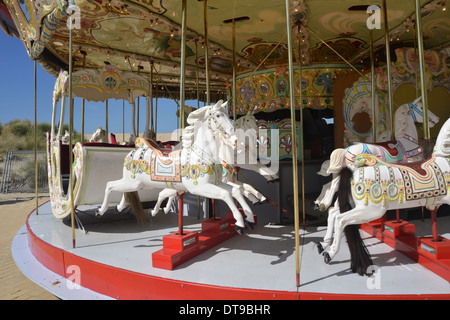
{"x": 133, "y": 34}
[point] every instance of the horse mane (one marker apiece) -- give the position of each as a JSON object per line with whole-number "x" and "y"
{"x": 188, "y": 133}
{"x": 337, "y": 160}
{"x": 442, "y": 146}
{"x": 401, "y": 123}
{"x": 360, "y": 259}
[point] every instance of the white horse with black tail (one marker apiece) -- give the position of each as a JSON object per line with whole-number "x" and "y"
{"x": 195, "y": 168}
{"x": 377, "y": 186}
{"x": 405, "y": 149}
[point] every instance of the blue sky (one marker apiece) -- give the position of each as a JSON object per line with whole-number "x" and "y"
{"x": 17, "y": 96}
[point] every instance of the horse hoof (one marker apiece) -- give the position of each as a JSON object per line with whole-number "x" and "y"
{"x": 239, "y": 230}
{"x": 274, "y": 180}
{"x": 251, "y": 225}
{"x": 264, "y": 201}
{"x": 319, "y": 247}
{"x": 326, "y": 258}
{"x": 97, "y": 213}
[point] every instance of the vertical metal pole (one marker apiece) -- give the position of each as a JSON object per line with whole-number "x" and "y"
{"x": 389, "y": 74}
{"x": 294, "y": 145}
{"x": 180, "y": 212}
{"x": 234, "y": 70}
{"x": 123, "y": 120}
{"x": 137, "y": 116}
{"x": 156, "y": 107}
{"x": 183, "y": 61}
{"x": 106, "y": 121}
{"x": 205, "y": 24}
{"x": 83, "y": 104}
{"x": 423, "y": 85}
{"x": 152, "y": 125}
{"x": 35, "y": 137}
{"x": 197, "y": 76}
{"x": 300, "y": 98}
{"x": 72, "y": 210}
{"x": 372, "y": 93}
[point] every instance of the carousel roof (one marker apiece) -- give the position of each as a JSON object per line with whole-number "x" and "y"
{"x": 134, "y": 34}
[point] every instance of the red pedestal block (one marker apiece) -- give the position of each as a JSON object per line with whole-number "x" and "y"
{"x": 433, "y": 255}
{"x": 179, "y": 249}
{"x": 436, "y": 249}
{"x": 400, "y": 228}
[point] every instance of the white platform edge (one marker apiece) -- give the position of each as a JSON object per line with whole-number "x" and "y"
{"x": 45, "y": 278}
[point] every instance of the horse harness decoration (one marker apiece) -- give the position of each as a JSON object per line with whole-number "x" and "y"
{"x": 416, "y": 181}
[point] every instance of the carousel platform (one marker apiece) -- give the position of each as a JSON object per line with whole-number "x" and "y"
{"x": 113, "y": 260}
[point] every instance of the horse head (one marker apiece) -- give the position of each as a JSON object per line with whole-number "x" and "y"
{"x": 98, "y": 135}
{"x": 442, "y": 146}
{"x": 247, "y": 122}
{"x": 216, "y": 119}
{"x": 416, "y": 112}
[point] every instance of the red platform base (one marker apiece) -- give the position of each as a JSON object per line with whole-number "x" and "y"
{"x": 178, "y": 249}
{"x": 434, "y": 256}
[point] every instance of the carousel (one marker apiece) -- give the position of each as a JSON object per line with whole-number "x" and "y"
{"x": 317, "y": 123}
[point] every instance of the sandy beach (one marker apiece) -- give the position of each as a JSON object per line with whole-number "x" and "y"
{"x": 14, "y": 285}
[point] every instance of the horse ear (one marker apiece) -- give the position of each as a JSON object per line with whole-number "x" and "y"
{"x": 224, "y": 105}
{"x": 417, "y": 100}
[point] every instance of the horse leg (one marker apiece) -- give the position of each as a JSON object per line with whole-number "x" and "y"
{"x": 121, "y": 185}
{"x": 249, "y": 219}
{"x": 248, "y": 189}
{"x": 169, "y": 204}
{"x": 166, "y": 193}
{"x": 358, "y": 215}
{"x": 214, "y": 192}
{"x": 332, "y": 214}
{"x": 122, "y": 205}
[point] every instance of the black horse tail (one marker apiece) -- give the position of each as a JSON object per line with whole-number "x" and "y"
{"x": 360, "y": 256}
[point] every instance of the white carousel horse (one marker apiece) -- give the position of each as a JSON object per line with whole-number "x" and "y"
{"x": 244, "y": 123}
{"x": 246, "y": 126}
{"x": 407, "y": 148}
{"x": 99, "y": 135}
{"x": 377, "y": 186}
{"x": 195, "y": 168}
{"x": 66, "y": 137}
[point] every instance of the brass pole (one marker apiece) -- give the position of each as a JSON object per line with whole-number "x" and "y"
{"x": 138, "y": 102}
{"x": 423, "y": 85}
{"x": 106, "y": 119}
{"x": 72, "y": 210}
{"x": 123, "y": 120}
{"x": 83, "y": 104}
{"x": 197, "y": 76}
{"x": 234, "y": 71}
{"x": 300, "y": 98}
{"x": 205, "y": 24}
{"x": 156, "y": 107}
{"x": 183, "y": 61}
{"x": 152, "y": 125}
{"x": 35, "y": 137}
{"x": 389, "y": 74}
{"x": 372, "y": 93}
{"x": 294, "y": 145}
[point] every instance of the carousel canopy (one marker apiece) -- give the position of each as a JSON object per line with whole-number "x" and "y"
{"x": 133, "y": 35}
{"x": 100, "y": 85}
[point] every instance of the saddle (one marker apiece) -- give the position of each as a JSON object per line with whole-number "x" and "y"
{"x": 152, "y": 145}
{"x": 164, "y": 163}
{"x": 390, "y": 146}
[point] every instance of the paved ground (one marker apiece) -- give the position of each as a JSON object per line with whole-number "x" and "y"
{"x": 14, "y": 285}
